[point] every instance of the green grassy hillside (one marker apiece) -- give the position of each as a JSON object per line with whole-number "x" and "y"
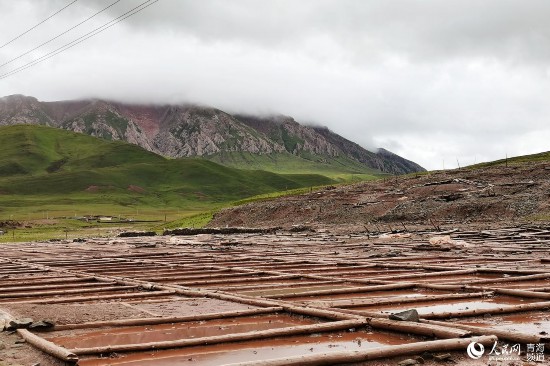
{"x": 44, "y": 168}
{"x": 38, "y": 150}
{"x": 338, "y": 168}
{"x": 544, "y": 156}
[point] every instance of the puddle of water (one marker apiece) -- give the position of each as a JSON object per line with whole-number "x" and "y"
{"x": 456, "y": 278}
{"x": 178, "y": 273}
{"x": 520, "y": 284}
{"x": 480, "y": 262}
{"x": 303, "y": 268}
{"x": 357, "y": 271}
{"x": 58, "y": 286}
{"x": 35, "y": 280}
{"x": 258, "y": 350}
{"x": 187, "y": 330}
{"x": 370, "y": 295}
{"x": 291, "y": 290}
{"x": 227, "y": 278}
{"x": 409, "y": 260}
{"x": 532, "y": 323}
{"x": 378, "y": 275}
{"x": 451, "y": 305}
{"x": 83, "y": 297}
{"x": 242, "y": 282}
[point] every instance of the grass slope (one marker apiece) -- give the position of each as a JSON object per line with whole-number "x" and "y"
{"x": 44, "y": 168}
{"x": 32, "y": 150}
{"x": 533, "y": 158}
{"x": 338, "y": 168}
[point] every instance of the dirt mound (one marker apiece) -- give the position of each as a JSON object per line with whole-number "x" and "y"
{"x": 465, "y": 196}
{"x": 10, "y": 224}
{"x": 136, "y": 189}
{"x": 92, "y": 189}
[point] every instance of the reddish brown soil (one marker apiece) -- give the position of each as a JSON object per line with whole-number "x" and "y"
{"x": 14, "y": 353}
{"x": 486, "y": 197}
{"x": 92, "y": 189}
{"x": 71, "y": 314}
{"x": 293, "y": 272}
{"x": 147, "y": 118}
{"x": 136, "y": 189}
{"x": 190, "y": 307}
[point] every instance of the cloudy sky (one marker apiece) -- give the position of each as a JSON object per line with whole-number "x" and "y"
{"x": 436, "y": 81}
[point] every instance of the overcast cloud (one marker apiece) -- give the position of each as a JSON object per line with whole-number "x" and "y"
{"x": 434, "y": 81}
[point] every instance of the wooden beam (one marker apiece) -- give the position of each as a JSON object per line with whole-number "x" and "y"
{"x": 161, "y": 320}
{"x": 512, "y": 336}
{"x": 337, "y": 358}
{"x": 254, "y": 335}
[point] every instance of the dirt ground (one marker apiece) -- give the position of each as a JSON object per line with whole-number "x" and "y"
{"x": 481, "y": 198}
{"x": 15, "y": 353}
{"x": 70, "y": 314}
{"x": 232, "y": 273}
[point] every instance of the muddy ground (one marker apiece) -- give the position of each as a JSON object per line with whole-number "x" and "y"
{"x": 234, "y": 284}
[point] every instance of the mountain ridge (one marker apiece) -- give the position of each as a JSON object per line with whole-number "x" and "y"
{"x": 188, "y": 130}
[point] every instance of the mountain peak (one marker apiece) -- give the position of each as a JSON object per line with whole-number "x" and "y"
{"x": 18, "y": 97}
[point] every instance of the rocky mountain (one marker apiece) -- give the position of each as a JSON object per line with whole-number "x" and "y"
{"x": 190, "y": 130}
{"x": 306, "y": 140}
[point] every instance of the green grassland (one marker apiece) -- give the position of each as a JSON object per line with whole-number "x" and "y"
{"x": 50, "y": 176}
{"x": 533, "y": 158}
{"x": 338, "y": 168}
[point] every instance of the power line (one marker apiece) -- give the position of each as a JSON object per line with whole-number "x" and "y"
{"x": 81, "y": 39}
{"x": 30, "y": 29}
{"x": 59, "y": 35}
